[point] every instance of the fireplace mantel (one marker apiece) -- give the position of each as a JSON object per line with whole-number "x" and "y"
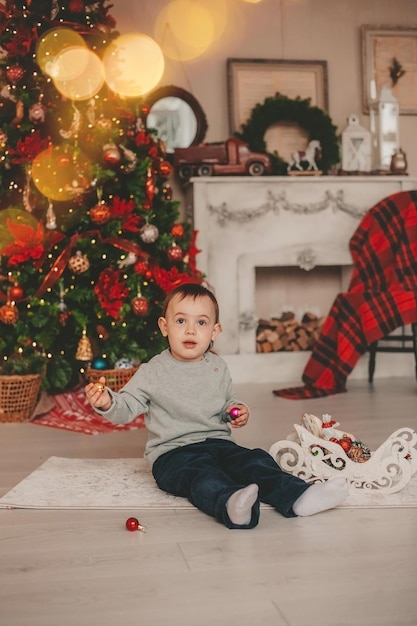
{"x": 247, "y": 222}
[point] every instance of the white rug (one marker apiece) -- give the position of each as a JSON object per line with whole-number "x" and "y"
{"x": 62, "y": 483}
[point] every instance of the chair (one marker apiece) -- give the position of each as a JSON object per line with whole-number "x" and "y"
{"x": 381, "y": 298}
{"x": 404, "y": 342}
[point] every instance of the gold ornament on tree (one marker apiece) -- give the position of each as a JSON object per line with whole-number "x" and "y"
{"x": 84, "y": 350}
{"x": 79, "y": 263}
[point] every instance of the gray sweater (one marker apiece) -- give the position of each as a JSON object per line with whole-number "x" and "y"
{"x": 183, "y": 402}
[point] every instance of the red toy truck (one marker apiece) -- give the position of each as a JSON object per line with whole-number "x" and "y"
{"x": 230, "y": 157}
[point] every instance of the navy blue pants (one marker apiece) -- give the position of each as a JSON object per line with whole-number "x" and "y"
{"x": 207, "y": 473}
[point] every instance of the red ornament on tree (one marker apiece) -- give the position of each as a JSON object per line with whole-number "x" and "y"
{"x": 177, "y": 231}
{"x": 102, "y": 332}
{"x": 175, "y": 253}
{"x": 76, "y": 6}
{"x": 140, "y": 306}
{"x": 16, "y": 292}
{"x": 165, "y": 168}
{"x": 149, "y": 186}
{"x": 63, "y": 318}
{"x": 100, "y": 213}
{"x": 15, "y": 73}
{"x": 141, "y": 267}
{"x": 9, "y": 314}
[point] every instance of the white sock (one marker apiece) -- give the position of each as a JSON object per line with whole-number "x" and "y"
{"x": 321, "y": 496}
{"x": 239, "y": 505}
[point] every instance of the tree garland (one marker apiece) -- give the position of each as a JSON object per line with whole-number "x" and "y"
{"x": 298, "y": 111}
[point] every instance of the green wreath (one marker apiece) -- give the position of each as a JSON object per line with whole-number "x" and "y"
{"x": 282, "y": 109}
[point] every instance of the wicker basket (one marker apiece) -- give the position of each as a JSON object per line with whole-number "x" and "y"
{"x": 18, "y": 397}
{"x": 115, "y": 379}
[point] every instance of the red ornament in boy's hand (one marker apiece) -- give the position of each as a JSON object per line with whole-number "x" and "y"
{"x": 234, "y": 413}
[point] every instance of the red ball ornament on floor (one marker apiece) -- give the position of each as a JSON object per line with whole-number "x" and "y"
{"x": 132, "y": 524}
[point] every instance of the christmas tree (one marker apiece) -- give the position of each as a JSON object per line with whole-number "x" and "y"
{"x": 90, "y": 237}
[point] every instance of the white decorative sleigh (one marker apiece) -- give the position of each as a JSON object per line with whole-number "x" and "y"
{"x": 315, "y": 459}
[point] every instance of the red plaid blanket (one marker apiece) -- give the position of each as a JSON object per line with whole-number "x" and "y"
{"x": 382, "y": 296}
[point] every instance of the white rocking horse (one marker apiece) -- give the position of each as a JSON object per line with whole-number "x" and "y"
{"x": 307, "y": 158}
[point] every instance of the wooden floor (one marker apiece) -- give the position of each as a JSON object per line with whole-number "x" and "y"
{"x": 345, "y": 567}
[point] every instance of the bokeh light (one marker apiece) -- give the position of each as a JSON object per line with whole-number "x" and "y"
{"x": 52, "y": 43}
{"x": 78, "y": 73}
{"x": 17, "y": 216}
{"x": 185, "y": 29}
{"x": 133, "y": 65}
{"x": 62, "y": 173}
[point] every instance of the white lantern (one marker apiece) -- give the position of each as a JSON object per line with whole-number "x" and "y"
{"x": 356, "y": 147}
{"x": 384, "y": 121}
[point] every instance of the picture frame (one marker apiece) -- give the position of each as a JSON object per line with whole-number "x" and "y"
{"x": 389, "y": 57}
{"x": 251, "y": 81}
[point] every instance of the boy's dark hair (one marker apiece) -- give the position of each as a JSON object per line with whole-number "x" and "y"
{"x": 193, "y": 290}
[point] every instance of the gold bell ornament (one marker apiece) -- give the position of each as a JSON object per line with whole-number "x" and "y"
{"x": 84, "y": 349}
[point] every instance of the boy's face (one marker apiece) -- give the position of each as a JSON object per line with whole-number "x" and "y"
{"x": 190, "y": 326}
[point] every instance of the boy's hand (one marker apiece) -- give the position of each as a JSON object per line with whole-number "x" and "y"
{"x": 239, "y": 415}
{"x": 97, "y": 394}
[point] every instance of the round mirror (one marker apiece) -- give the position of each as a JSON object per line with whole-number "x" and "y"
{"x": 177, "y": 117}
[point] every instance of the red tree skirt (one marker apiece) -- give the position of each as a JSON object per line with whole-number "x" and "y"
{"x": 73, "y": 412}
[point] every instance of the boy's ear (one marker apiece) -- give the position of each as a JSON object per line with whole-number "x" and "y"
{"x": 162, "y": 323}
{"x": 216, "y": 331}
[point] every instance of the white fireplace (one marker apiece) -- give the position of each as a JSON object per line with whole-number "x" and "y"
{"x": 246, "y": 223}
